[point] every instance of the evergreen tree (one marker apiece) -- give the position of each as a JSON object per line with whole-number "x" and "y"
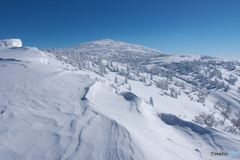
{"x": 151, "y": 77}
{"x": 117, "y": 70}
{"x": 151, "y": 101}
{"x": 138, "y": 73}
{"x": 143, "y": 78}
{"x": 111, "y": 65}
{"x": 128, "y": 68}
{"x": 116, "y": 80}
{"x": 150, "y": 84}
{"x": 227, "y": 88}
{"x": 183, "y": 86}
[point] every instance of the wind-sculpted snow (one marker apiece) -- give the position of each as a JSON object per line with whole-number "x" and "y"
{"x": 213, "y": 138}
{"x": 7, "y": 43}
{"x": 30, "y": 54}
{"x": 149, "y": 131}
{"x": 135, "y": 101}
{"x": 103, "y": 138}
{"x": 44, "y": 116}
{"x": 175, "y": 121}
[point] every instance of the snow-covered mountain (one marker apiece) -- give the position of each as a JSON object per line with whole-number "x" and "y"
{"x": 113, "y": 47}
{"x": 77, "y": 104}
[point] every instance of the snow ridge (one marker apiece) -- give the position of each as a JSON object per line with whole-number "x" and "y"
{"x": 7, "y": 43}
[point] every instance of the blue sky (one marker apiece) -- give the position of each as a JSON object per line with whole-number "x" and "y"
{"x": 202, "y": 27}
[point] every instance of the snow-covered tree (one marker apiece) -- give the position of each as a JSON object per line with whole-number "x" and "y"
{"x": 224, "y": 108}
{"x": 123, "y": 73}
{"x": 236, "y": 125}
{"x": 128, "y": 67}
{"x": 138, "y": 74}
{"x": 232, "y": 80}
{"x": 108, "y": 64}
{"x": 227, "y": 88}
{"x": 129, "y": 88}
{"x": 183, "y": 86}
{"x": 150, "y": 83}
{"x": 80, "y": 65}
{"x": 151, "y": 101}
{"x": 172, "y": 92}
{"x": 111, "y": 65}
{"x": 207, "y": 119}
{"x": 151, "y": 77}
{"x": 117, "y": 70}
{"x": 226, "y": 112}
{"x": 116, "y": 80}
{"x": 143, "y": 78}
{"x": 166, "y": 85}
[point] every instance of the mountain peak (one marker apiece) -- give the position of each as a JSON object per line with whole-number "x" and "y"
{"x": 105, "y": 39}
{"x": 109, "y": 46}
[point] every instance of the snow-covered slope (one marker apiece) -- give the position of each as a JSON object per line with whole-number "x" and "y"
{"x": 177, "y": 58}
{"x": 6, "y": 43}
{"x": 52, "y": 110}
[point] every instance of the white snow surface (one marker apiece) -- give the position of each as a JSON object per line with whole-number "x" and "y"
{"x": 6, "y": 43}
{"x": 51, "y": 110}
{"x": 172, "y": 58}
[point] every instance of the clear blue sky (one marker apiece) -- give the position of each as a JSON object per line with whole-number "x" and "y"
{"x": 202, "y": 27}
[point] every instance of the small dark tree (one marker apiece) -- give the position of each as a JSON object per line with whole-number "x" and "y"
{"x": 151, "y": 77}
{"x": 236, "y": 124}
{"x": 116, "y": 80}
{"x": 150, "y": 84}
{"x": 143, "y": 78}
{"x": 226, "y": 88}
{"x": 207, "y": 119}
{"x": 151, "y": 101}
{"x": 111, "y": 65}
{"x": 226, "y": 112}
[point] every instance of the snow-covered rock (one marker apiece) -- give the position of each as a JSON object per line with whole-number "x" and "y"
{"x": 7, "y": 43}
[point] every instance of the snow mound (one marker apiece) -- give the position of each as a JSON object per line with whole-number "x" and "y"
{"x": 135, "y": 100}
{"x": 29, "y": 54}
{"x": 173, "y": 120}
{"x": 8, "y": 43}
{"x": 208, "y": 136}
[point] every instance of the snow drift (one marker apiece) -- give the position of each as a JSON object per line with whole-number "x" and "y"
{"x": 7, "y": 43}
